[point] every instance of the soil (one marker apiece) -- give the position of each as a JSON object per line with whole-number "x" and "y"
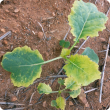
{"x": 22, "y": 18}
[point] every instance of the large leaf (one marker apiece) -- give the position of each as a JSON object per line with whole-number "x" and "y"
{"x": 85, "y": 20}
{"x": 75, "y": 93}
{"x": 91, "y": 54}
{"x": 82, "y": 69}
{"x": 24, "y": 65}
{"x": 71, "y": 84}
{"x": 43, "y": 88}
{"x": 61, "y": 103}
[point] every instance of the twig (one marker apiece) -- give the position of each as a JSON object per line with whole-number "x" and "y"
{"x": 90, "y": 90}
{"x": 66, "y": 34}
{"x": 108, "y": 11}
{"x": 42, "y": 29}
{"x": 32, "y": 97}
{"x": 108, "y": 106}
{"x": 108, "y": 30}
{"x": 81, "y": 45}
{"x": 95, "y": 1}
{"x": 80, "y": 48}
{"x": 9, "y": 103}
{"x": 3, "y": 36}
{"x": 57, "y": 76}
{"x": 16, "y": 108}
{"x": 102, "y": 51}
{"x": 102, "y": 78}
{"x": 47, "y": 18}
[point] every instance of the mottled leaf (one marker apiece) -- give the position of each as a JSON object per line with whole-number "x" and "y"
{"x": 91, "y": 54}
{"x": 85, "y": 20}
{"x": 61, "y": 81}
{"x": 44, "y": 88}
{"x": 24, "y": 65}
{"x": 71, "y": 84}
{"x": 75, "y": 93}
{"x": 65, "y": 52}
{"x": 64, "y": 44}
{"x": 82, "y": 69}
{"x": 61, "y": 103}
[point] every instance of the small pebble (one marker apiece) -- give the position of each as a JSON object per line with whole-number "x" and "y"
{"x": 53, "y": 13}
{"x": 102, "y": 40}
{"x": 7, "y": 11}
{"x": 3, "y": 30}
{"x": 40, "y": 35}
{"x": 4, "y": 42}
{"x": 104, "y": 47}
{"x": 44, "y": 104}
{"x": 96, "y": 93}
{"x": 16, "y": 10}
{"x": 70, "y": 103}
{"x": 13, "y": 98}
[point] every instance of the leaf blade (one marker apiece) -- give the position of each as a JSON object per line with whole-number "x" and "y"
{"x": 75, "y": 93}
{"x": 61, "y": 103}
{"x": 85, "y": 20}
{"x": 19, "y": 61}
{"x": 91, "y": 54}
{"x": 82, "y": 69}
{"x": 43, "y": 88}
{"x": 71, "y": 84}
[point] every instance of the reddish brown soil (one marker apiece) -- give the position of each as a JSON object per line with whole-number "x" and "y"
{"x": 21, "y": 17}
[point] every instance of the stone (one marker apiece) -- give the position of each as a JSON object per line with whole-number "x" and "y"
{"x": 102, "y": 39}
{"x": 40, "y": 35}
{"x": 16, "y": 10}
{"x": 4, "y": 42}
{"x": 104, "y": 47}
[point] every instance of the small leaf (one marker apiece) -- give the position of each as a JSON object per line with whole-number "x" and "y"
{"x": 91, "y": 54}
{"x": 61, "y": 81}
{"x": 75, "y": 93}
{"x": 64, "y": 44}
{"x": 24, "y": 65}
{"x": 43, "y": 88}
{"x": 82, "y": 69}
{"x": 65, "y": 52}
{"x": 71, "y": 84}
{"x": 85, "y": 20}
{"x": 61, "y": 103}
{"x": 54, "y": 104}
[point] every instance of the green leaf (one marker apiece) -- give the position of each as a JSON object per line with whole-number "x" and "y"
{"x": 54, "y": 104}
{"x": 71, "y": 84}
{"x": 24, "y": 65}
{"x": 61, "y": 103}
{"x": 75, "y": 93}
{"x": 65, "y": 52}
{"x": 61, "y": 81}
{"x": 85, "y": 20}
{"x": 91, "y": 54}
{"x": 64, "y": 44}
{"x": 44, "y": 88}
{"x": 82, "y": 69}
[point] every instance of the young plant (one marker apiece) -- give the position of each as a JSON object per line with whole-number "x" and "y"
{"x": 25, "y": 64}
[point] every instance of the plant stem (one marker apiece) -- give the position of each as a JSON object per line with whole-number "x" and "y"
{"x": 43, "y": 62}
{"x": 73, "y": 45}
